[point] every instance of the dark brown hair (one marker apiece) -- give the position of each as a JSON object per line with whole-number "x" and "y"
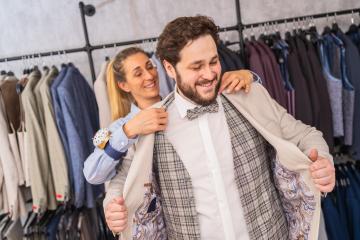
{"x": 179, "y": 32}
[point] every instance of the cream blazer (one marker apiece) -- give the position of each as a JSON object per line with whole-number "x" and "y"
{"x": 291, "y": 139}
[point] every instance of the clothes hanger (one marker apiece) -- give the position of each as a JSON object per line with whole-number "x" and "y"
{"x": 310, "y": 30}
{"x": 289, "y": 34}
{"x": 302, "y": 31}
{"x": 353, "y": 28}
{"x": 42, "y": 63}
{"x": 272, "y": 38}
{"x": 287, "y": 31}
{"x": 335, "y": 27}
{"x": 266, "y": 35}
{"x": 246, "y": 39}
{"x": 327, "y": 29}
{"x": 296, "y": 28}
{"x": 277, "y": 32}
{"x": 312, "y": 26}
{"x": 26, "y": 70}
{"x": 3, "y": 72}
{"x": 63, "y": 63}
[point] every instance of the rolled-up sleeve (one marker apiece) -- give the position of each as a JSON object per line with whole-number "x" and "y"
{"x": 100, "y": 167}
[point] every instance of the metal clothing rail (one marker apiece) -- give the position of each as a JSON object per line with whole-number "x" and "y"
{"x": 89, "y": 10}
{"x": 294, "y": 19}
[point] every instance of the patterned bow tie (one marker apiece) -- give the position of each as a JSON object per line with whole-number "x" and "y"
{"x": 192, "y": 114}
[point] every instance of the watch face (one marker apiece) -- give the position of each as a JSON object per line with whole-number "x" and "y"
{"x": 101, "y": 136}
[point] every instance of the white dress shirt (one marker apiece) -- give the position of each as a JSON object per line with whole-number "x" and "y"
{"x": 204, "y": 146}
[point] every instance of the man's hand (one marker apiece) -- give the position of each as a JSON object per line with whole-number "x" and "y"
{"x": 116, "y": 215}
{"x": 322, "y": 172}
{"x": 234, "y": 81}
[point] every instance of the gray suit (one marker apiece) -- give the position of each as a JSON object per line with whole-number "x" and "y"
{"x": 57, "y": 156}
{"x": 42, "y": 187}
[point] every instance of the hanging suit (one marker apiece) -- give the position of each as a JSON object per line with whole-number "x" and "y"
{"x": 42, "y": 186}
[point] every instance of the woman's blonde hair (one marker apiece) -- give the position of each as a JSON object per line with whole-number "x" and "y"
{"x": 120, "y": 101}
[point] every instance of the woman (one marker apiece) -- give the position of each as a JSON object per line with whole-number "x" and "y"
{"x": 133, "y": 87}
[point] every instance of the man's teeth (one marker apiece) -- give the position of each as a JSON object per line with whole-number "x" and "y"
{"x": 206, "y": 84}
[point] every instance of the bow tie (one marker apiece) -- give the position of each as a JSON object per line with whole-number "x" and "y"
{"x": 192, "y": 114}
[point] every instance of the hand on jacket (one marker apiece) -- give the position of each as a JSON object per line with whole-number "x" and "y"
{"x": 234, "y": 81}
{"x": 147, "y": 121}
{"x": 116, "y": 215}
{"x": 322, "y": 172}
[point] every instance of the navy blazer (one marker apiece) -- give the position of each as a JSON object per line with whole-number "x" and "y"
{"x": 352, "y": 59}
{"x": 79, "y": 122}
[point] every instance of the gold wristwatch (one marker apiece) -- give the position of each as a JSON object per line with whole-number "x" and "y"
{"x": 101, "y": 138}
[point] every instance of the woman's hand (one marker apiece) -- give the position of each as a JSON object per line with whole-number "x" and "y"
{"x": 234, "y": 81}
{"x": 145, "y": 122}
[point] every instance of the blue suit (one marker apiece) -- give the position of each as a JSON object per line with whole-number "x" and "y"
{"x": 60, "y": 119}
{"x": 77, "y": 118}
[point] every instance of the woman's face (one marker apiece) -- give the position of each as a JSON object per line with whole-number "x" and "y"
{"x": 141, "y": 77}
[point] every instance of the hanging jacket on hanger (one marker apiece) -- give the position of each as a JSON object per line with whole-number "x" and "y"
{"x": 307, "y": 72}
{"x": 352, "y": 61}
{"x": 59, "y": 119}
{"x": 37, "y": 95}
{"x": 348, "y": 93}
{"x": 325, "y": 117}
{"x": 276, "y": 79}
{"x": 269, "y": 75}
{"x": 12, "y": 112}
{"x": 255, "y": 62}
{"x": 281, "y": 51}
{"x": 302, "y": 96}
{"x": 80, "y": 125}
{"x": 354, "y": 34}
{"x": 57, "y": 157}
{"x": 232, "y": 59}
{"x": 15, "y": 199}
{"x": 102, "y": 99}
{"x": 42, "y": 186}
{"x": 334, "y": 87}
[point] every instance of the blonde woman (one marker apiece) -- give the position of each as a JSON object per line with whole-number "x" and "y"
{"x": 133, "y": 86}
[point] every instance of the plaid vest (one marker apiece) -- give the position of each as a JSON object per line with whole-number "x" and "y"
{"x": 263, "y": 211}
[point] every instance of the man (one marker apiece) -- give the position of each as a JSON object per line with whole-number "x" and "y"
{"x": 226, "y": 167}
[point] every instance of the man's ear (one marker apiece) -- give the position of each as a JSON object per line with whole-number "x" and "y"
{"x": 124, "y": 86}
{"x": 170, "y": 69}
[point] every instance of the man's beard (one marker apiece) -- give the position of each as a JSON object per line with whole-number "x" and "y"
{"x": 192, "y": 94}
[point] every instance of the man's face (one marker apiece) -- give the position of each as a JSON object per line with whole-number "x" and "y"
{"x": 197, "y": 74}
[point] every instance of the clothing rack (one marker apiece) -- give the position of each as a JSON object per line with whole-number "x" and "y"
{"x": 89, "y": 10}
{"x": 306, "y": 17}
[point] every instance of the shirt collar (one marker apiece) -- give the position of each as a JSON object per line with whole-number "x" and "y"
{"x": 134, "y": 110}
{"x": 183, "y": 104}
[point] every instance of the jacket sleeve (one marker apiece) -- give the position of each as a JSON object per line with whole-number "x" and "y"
{"x": 303, "y": 136}
{"x": 116, "y": 185}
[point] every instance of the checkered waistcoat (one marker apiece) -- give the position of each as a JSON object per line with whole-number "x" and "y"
{"x": 263, "y": 212}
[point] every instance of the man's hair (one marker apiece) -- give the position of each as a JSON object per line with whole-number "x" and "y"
{"x": 179, "y": 32}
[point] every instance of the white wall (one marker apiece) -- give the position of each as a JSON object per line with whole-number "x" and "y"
{"x": 38, "y": 26}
